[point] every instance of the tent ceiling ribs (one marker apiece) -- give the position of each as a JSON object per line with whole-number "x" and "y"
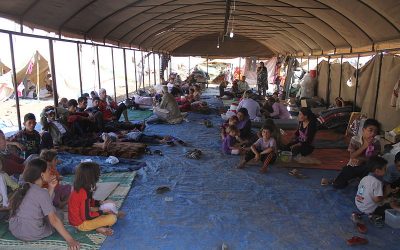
{"x": 258, "y": 20}
{"x": 382, "y": 16}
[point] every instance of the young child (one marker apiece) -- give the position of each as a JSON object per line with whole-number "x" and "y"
{"x": 61, "y": 192}
{"x": 32, "y": 215}
{"x": 302, "y": 143}
{"x": 370, "y": 191}
{"x": 361, "y": 148}
{"x": 392, "y": 175}
{"x": 83, "y": 211}
{"x": 263, "y": 149}
{"x": 229, "y": 141}
{"x": 232, "y": 121}
{"x": 28, "y": 138}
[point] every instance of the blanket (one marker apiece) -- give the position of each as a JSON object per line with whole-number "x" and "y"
{"x": 70, "y": 161}
{"x": 88, "y": 240}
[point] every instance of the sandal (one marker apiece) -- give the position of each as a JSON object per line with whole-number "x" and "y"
{"x": 296, "y": 173}
{"x": 356, "y": 240}
{"x": 377, "y": 220}
{"x": 326, "y": 182}
{"x": 158, "y": 152}
{"x": 162, "y": 189}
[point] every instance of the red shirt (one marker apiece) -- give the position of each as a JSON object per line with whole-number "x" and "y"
{"x": 79, "y": 205}
{"x": 106, "y": 110}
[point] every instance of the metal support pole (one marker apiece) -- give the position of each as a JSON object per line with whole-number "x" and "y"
{"x": 240, "y": 67}
{"x": 317, "y": 68}
{"x": 378, "y": 83}
{"x": 170, "y": 66}
{"x": 328, "y": 89}
{"x": 154, "y": 66}
{"x": 134, "y": 62}
{"x": 142, "y": 69}
{"x": 113, "y": 72}
{"x": 207, "y": 72}
{"x": 189, "y": 67}
{"x": 126, "y": 75}
{"x": 340, "y": 79}
{"x": 148, "y": 66}
{"x": 53, "y": 73}
{"x": 79, "y": 67}
{"x": 98, "y": 66}
{"x": 355, "y": 92}
{"x": 15, "y": 81}
{"x": 308, "y": 64}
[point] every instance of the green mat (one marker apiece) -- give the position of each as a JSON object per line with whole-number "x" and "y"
{"x": 228, "y": 103}
{"x": 137, "y": 115}
{"x": 88, "y": 240}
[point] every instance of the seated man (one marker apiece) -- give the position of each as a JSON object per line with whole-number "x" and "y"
{"x": 243, "y": 85}
{"x": 79, "y": 122}
{"x": 111, "y": 111}
{"x": 168, "y": 110}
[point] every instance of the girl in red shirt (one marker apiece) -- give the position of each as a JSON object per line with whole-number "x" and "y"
{"x": 83, "y": 211}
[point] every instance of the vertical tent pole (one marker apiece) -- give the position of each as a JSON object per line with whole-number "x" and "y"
{"x": 148, "y": 66}
{"x": 134, "y": 62}
{"x": 207, "y": 71}
{"x": 98, "y": 66}
{"x": 37, "y": 75}
{"x": 15, "y": 80}
{"x": 355, "y": 92}
{"x": 340, "y": 79}
{"x": 53, "y": 73}
{"x": 142, "y": 69}
{"x": 378, "y": 83}
{"x": 126, "y": 75}
{"x": 240, "y": 67}
{"x": 79, "y": 67}
{"x": 170, "y": 66}
{"x": 189, "y": 67}
{"x": 328, "y": 89}
{"x": 113, "y": 72}
{"x": 308, "y": 64}
{"x": 317, "y": 67}
{"x": 154, "y": 66}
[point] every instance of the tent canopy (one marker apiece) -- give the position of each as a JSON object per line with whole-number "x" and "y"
{"x": 283, "y": 26}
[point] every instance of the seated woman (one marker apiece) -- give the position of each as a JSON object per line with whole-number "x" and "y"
{"x": 168, "y": 110}
{"x": 304, "y": 136}
{"x": 11, "y": 164}
{"x": 253, "y": 108}
{"x": 279, "y": 110}
{"x": 244, "y": 126}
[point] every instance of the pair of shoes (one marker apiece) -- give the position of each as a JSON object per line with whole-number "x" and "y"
{"x": 194, "y": 154}
{"x": 296, "y": 173}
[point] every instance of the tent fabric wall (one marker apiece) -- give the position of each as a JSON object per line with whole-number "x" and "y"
{"x": 348, "y": 72}
{"x": 390, "y": 74}
{"x": 322, "y": 85}
{"x": 367, "y": 86}
{"x": 335, "y": 82}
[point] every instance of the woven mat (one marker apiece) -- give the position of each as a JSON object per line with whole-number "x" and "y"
{"x": 137, "y": 115}
{"x": 88, "y": 240}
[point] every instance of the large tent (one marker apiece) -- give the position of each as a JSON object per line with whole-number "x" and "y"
{"x": 179, "y": 27}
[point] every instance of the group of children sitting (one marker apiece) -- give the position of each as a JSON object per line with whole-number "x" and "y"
{"x": 377, "y": 181}
{"x": 37, "y": 207}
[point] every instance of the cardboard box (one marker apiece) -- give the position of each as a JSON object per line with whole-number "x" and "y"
{"x": 392, "y": 138}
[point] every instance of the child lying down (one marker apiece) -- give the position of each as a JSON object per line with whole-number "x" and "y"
{"x": 139, "y": 137}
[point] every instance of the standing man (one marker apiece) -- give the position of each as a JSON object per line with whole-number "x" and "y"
{"x": 262, "y": 79}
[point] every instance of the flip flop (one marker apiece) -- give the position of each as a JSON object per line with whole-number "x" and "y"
{"x": 162, "y": 189}
{"x": 357, "y": 220}
{"x": 296, "y": 173}
{"x": 325, "y": 182}
{"x": 356, "y": 240}
{"x": 377, "y": 221}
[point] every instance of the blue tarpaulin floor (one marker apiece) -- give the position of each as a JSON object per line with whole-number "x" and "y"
{"x": 211, "y": 202}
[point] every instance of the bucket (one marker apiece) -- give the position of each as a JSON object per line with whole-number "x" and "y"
{"x": 285, "y": 156}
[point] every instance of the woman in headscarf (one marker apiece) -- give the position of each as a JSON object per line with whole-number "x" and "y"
{"x": 262, "y": 79}
{"x": 244, "y": 124}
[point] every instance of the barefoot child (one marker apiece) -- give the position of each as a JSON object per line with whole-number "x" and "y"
{"x": 61, "y": 192}
{"x": 229, "y": 141}
{"x": 264, "y": 149}
{"x": 83, "y": 211}
{"x": 370, "y": 194}
{"x": 32, "y": 215}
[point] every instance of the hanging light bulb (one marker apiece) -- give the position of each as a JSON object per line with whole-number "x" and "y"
{"x": 231, "y": 34}
{"x": 218, "y": 43}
